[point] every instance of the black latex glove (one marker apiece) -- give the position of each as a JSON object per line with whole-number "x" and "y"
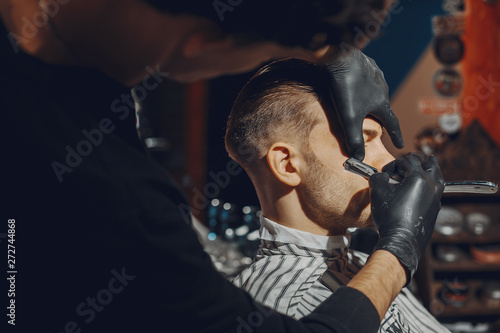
{"x": 359, "y": 89}
{"x": 405, "y": 213}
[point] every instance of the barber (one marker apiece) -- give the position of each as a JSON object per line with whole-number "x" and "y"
{"x": 102, "y": 242}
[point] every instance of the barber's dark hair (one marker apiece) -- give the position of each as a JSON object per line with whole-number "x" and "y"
{"x": 310, "y": 24}
{"x": 274, "y": 106}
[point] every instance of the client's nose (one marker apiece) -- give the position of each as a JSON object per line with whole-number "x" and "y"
{"x": 381, "y": 158}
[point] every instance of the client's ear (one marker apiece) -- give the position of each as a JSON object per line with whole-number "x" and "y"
{"x": 200, "y": 42}
{"x": 285, "y": 163}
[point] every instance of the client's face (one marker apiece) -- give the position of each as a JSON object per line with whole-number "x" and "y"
{"x": 336, "y": 198}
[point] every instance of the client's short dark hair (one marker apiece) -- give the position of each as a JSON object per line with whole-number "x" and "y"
{"x": 273, "y": 106}
{"x": 310, "y": 24}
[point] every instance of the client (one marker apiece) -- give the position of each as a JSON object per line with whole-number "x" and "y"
{"x": 279, "y": 133}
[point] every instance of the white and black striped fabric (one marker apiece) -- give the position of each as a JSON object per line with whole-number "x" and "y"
{"x": 295, "y": 271}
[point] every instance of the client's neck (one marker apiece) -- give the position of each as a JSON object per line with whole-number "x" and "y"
{"x": 287, "y": 211}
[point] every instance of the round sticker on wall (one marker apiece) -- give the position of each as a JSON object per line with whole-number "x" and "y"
{"x": 449, "y": 49}
{"x": 450, "y": 123}
{"x": 447, "y": 82}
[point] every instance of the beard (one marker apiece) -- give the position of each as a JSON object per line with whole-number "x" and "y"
{"x": 327, "y": 199}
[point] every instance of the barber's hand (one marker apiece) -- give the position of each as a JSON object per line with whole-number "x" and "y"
{"x": 359, "y": 89}
{"x": 405, "y": 213}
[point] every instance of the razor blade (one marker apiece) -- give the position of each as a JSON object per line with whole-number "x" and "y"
{"x": 461, "y": 186}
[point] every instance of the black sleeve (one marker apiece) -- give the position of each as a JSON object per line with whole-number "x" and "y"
{"x": 347, "y": 310}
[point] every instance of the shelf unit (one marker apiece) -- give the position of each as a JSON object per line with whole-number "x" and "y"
{"x": 472, "y": 307}
{"x": 465, "y": 265}
{"x": 432, "y": 272}
{"x": 493, "y": 234}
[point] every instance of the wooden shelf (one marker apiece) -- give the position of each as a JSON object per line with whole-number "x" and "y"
{"x": 465, "y": 265}
{"x": 492, "y": 235}
{"x": 472, "y": 307}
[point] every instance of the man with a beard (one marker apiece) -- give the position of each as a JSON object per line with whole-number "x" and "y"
{"x": 278, "y": 131}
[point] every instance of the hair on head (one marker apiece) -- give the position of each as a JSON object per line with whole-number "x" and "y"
{"x": 273, "y": 106}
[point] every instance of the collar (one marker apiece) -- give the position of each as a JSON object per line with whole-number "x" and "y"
{"x": 274, "y": 232}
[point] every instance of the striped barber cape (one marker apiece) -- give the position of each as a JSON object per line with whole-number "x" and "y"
{"x": 295, "y": 271}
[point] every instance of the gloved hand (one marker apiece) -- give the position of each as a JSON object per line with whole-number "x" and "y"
{"x": 359, "y": 89}
{"x": 405, "y": 213}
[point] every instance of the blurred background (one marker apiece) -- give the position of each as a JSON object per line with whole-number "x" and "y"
{"x": 441, "y": 60}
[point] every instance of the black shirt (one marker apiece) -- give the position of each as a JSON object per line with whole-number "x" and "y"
{"x": 100, "y": 242}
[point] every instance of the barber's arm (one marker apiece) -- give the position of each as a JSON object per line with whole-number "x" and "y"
{"x": 380, "y": 280}
{"x": 405, "y": 215}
